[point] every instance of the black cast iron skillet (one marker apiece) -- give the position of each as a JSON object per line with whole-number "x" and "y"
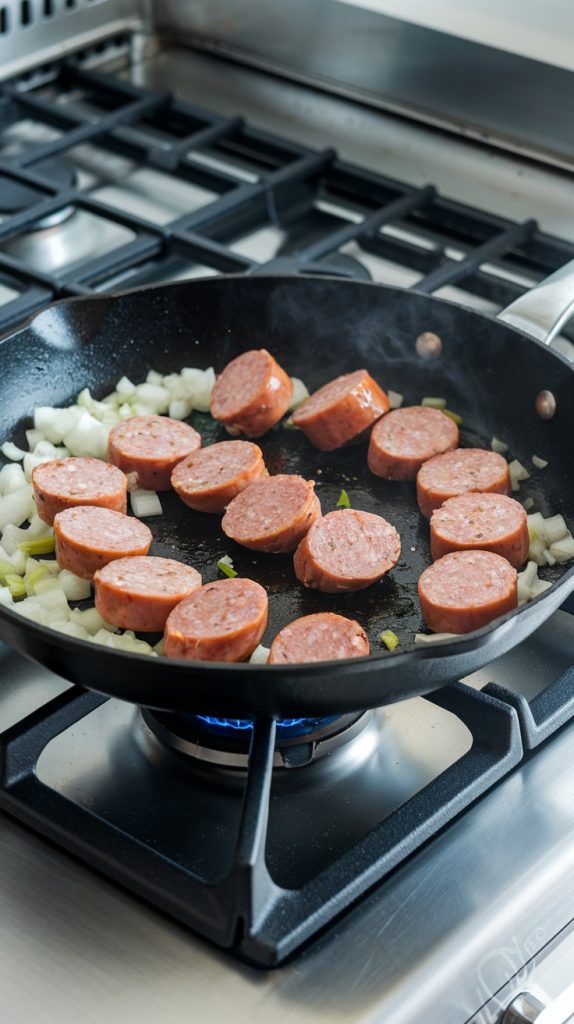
{"x": 489, "y": 373}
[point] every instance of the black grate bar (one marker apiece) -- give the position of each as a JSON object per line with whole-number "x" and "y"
{"x": 451, "y": 271}
{"x": 93, "y": 130}
{"x": 369, "y": 226}
{"x": 214, "y": 253}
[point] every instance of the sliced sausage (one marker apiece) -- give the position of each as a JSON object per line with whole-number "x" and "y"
{"x": 251, "y": 394}
{"x": 139, "y": 593}
{"x": 460, "y": 472}
{"x": 151, "y": 446}
{"x": 321, "y": 637}
{"x": 341, "y": 410}
{"x": 405, "y": 438}
{"x": 222, "y": 621}
{"x": 466, "y": 590}
{"x": 346, "y": 550}
{"x": 207, "y": 480}
{"x": 273, "y": 513}
{"x": 65, "y": 483}
{"x": 492, "y": 522}
{"x": 88, "y": 537}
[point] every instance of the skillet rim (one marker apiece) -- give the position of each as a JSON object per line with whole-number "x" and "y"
{"x": 454, "y": 646}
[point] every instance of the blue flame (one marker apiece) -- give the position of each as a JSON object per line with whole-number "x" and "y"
{"x": 236, "y": 724}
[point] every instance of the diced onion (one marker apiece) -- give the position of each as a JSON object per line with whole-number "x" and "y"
{"x": 145, "y": 503}
{"x": 433, "y": 638}
{"x": 528, "y": 503}
{"x": 260, "y": 655}
{"x": 538, "y": 462}
{"x": 300, "y": 393}
{"x": 75, "y": 588}
{"x": 12, "y": 478}
{"x": 563, "y": 550}
{"x": 434, "y": 403}
{"x": 179, "y": 408}
{"x": 395, "y": 399}
{"x": 11, "y": 451}
{"x": 517, "y": 472}
{"x": 498, "y": 446}
{"x": 555, "y": 528}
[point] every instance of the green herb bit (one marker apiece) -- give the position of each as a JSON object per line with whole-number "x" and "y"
{"x": 226, "y": 568}
{"x": 16, "y": 585}
{"x": 38, "y": 546}
{"x": 344, "y": 500}
{"x": 453, "y": 416}
{"x": 389, "y": 639}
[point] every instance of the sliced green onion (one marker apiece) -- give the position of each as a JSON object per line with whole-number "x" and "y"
{"x": 38, "y": 546}
{"x": 16, "y": 585}
{"x": 6, "y": 569}
{"x": 225, "y": 565}
{"x": 434, "y": 403}
{"x": 34, "y": 578}
{"x": 453, "y": 416}
{"x": 344, "y": 500}
{"x": 389, "y": 639}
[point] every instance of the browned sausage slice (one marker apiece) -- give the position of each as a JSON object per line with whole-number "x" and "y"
{"x": 139, "y": 593}
{"x": 405, "y": 438}
{"x": 65, "y": 483}
{"x": 88, "y": 537}
{"x": 223, "y": 621}
{"x": 492, "y": 522}
{"x": 207, "y": 480}
{"x": 251, "y": 394}
{"x": 346, "y": 550}
{"x": 341, "y": 410}
{"x": 324, "y": 636}
{"x": 466, "y": 590}
{"x": 460, "y": 472}
{"x": 151, "y": 446}
{"x": 273, "y": 513}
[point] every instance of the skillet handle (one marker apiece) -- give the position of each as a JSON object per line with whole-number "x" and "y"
{"x": 543, "y": 310}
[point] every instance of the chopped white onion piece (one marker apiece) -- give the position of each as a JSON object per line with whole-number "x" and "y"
{"x": 498, "y": 446}
{"x": 563, "y": 550}
{"x": 260, "y": 655}
{"x": 15, "y": 507}
{"x": 88, "y": 437}
{"x": 12, "y": 478}
{"x": 154, "y": 395}
{"x": 145, "y": 503}
{"x": 154, "y": 377}
{"x": 91, "y": 620}
{"x": 31, "y": 460}
{"x": 395, "y": 399}
{"x": 549, "y": 557}
{"x": 528, "y": 503}
{"x": 433, "y": 638}
{"x": 536, "y": 525}
{"x": 176, "y": 386}
{"x": 75, "y": 588}
{"x": 6, "y": 597}
{"x": 536, "y": 551}
{"x": 54, "y": 599}
{"x": 300, "y": 393}
{"x": 72, "y": 629}
{"x": 555, "y": 528}
{"x": 11, "y": 451}
{"x": 33, "y": 437}
{"x": 125, "y": 388}
{"x": 179, "y": 408}
{"x": 158, "y": 648}
{"x": 517, "y": 472}
{"x": 434, "y": 403}
{"x": 539, "y": 586}
{"x": 538, "y": 462}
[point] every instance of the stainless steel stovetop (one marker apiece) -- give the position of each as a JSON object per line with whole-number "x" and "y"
{"x": 476, "y": 914}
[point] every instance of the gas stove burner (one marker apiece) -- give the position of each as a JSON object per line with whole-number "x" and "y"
{"x": 16, "y": 196}
{"x": 224, "y": 742}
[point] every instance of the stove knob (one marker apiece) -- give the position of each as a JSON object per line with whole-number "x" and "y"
{"x": 527, "y": 1009}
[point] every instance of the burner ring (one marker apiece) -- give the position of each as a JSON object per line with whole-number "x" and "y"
{"x": 188, "y": 735}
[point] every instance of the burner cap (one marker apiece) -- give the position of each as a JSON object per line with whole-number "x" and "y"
{"x": 224, "y": 742}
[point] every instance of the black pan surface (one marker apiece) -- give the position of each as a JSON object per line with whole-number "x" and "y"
{"x": 317, "y": 328}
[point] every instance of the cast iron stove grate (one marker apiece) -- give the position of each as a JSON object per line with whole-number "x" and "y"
{"x": 259, "y": 861}
{"x": 328, "y": 213}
